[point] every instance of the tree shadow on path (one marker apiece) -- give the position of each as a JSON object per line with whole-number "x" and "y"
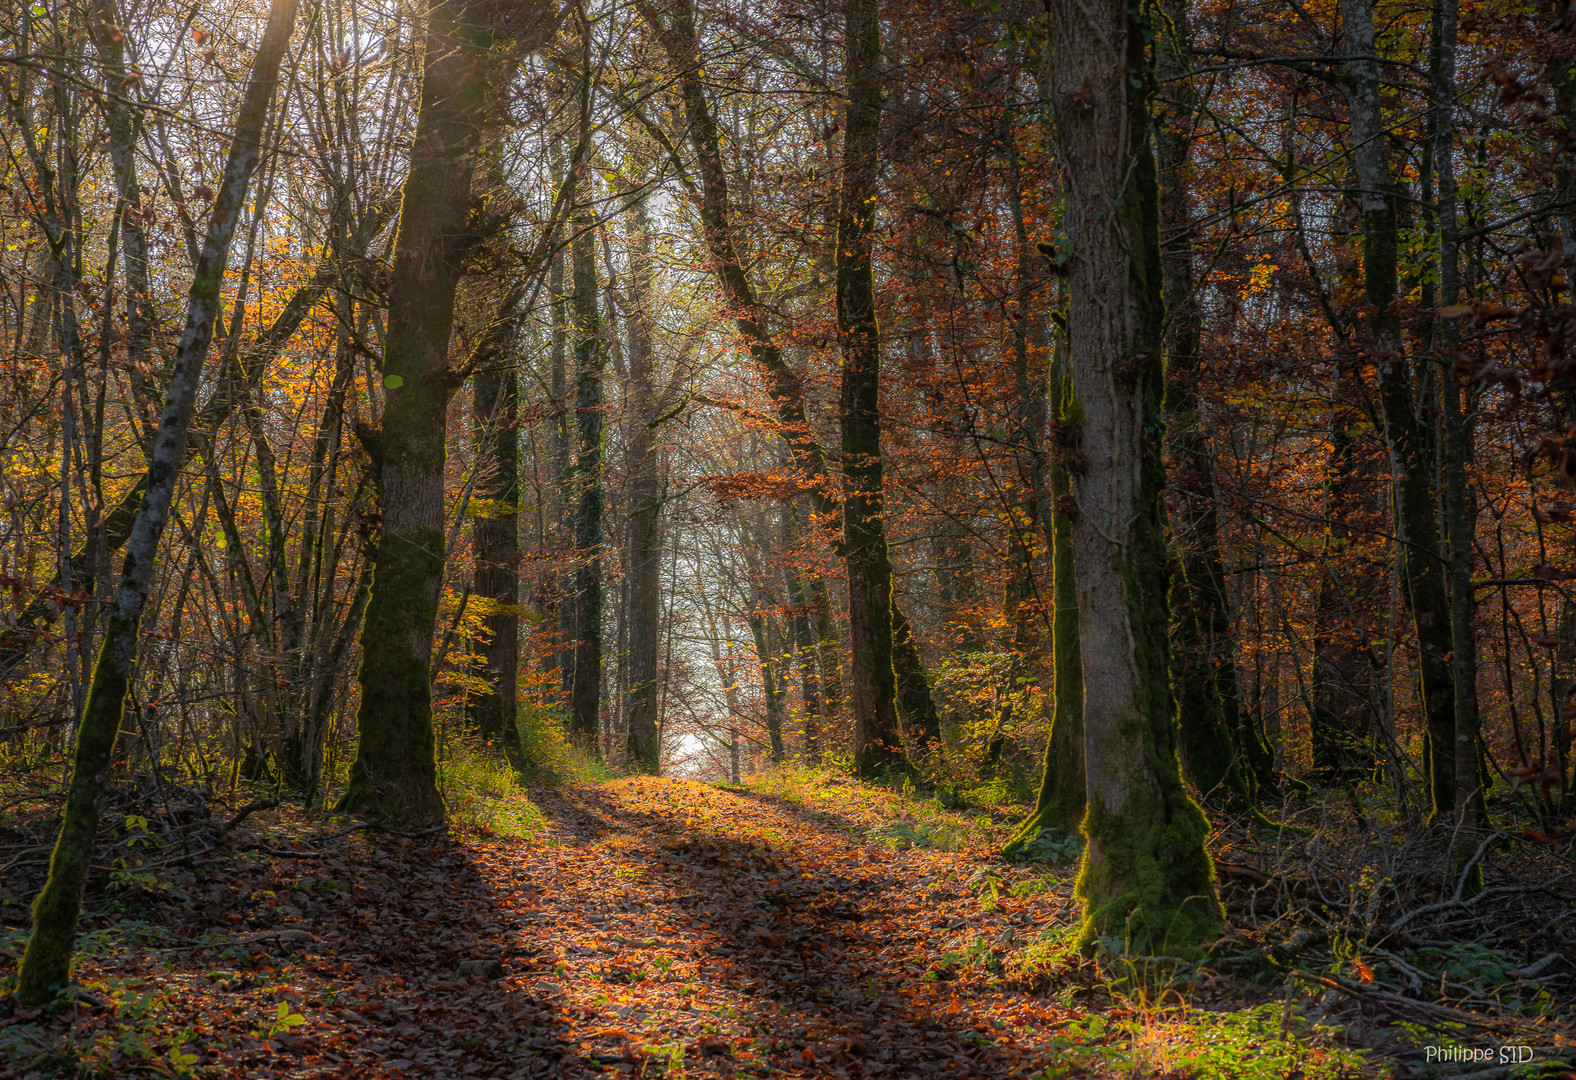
{"x": 756, "y": 941}
{"x": 339, "y": 958}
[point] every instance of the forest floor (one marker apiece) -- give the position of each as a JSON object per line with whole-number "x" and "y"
{"x": 644, "y": 927}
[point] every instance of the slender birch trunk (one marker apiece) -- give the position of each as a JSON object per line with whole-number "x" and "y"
{"x": 46, "y": 963}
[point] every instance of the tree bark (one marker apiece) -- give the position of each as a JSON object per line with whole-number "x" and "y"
{"x": 1460, "y": 504}
{"x": 585, "y": 693}
{"x": 395, "y": 771}
{"x": 872, "y": 691}
{"x": 46, "y": 963}
{"x": 804, "y": 640}
{"x": 563, "y": 657}
{"x": 1417, "y": 530}
{"x": 495, "y": 537}
{"x": 1216, "y": 747}
{"x": 645, "y": 510}
{"x": 1059, "y": 804}
{"x": 1146, "y": 878}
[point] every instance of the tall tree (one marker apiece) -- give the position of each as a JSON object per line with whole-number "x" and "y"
{"x": 1460, "y": 502}
{"x": 495, "y": 410}
{"x": 872, "y": 691}
{"x": 395, "y": 771}
{"x": 1417, "y": 529}
{"x": 46, "y": 963}
{"x": 644, "y": 559}
{"x": 1214, "y": 743}
{"x": 1060, "y": 800}
{"x": 585, "y": 692}
{"x": 1146, "y": 877}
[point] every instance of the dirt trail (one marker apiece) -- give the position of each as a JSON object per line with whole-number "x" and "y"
{"x": 753, "y": 937}
{"x": 651, "y": 928}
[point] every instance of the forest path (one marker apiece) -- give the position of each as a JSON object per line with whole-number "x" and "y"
{"x": 744, "y": 935}
{"x": 647, "y": 927}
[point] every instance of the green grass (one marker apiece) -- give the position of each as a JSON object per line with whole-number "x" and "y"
{"x": 889, "y": 814}
{"x": 483, "y": 792}
{"x": 1245, "y": 1044}
{"x": 550, "y": 754}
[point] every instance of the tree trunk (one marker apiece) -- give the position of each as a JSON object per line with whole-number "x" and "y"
{"x": 1146, "y": 877}
{"x": 803, "y": 640}
{"x": 1059, "y": 804}
{"x": 585, "y": 694}
{"x": 122, "y": 130}
{"x": 1460, "y": 504}
{"x": 644, "y": 563}
{"x": 46, "y": 963}
{"x": 1416, "y": 529}
{"x": 772, "y": 685}
{"x": 1213, "y": 741}
{"x": 563, "y": 656}
{"x": 394, "y": 773}
{"x": 495, "y": 537}
{"x": 1340, "y": 695}
{"x": 872, "y": 692}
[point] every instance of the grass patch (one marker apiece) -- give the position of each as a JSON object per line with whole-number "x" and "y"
{"x": 890, "y": 814}
{"x": 483, "y": 792}
{"x": 549, "y": 753}
{"x": 1260, "y": 1043}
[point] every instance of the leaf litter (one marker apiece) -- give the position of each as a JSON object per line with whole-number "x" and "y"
{"x": 652, "y": 927}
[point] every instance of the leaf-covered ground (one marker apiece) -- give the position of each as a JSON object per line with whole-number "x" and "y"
{"x": 648, "y": 928}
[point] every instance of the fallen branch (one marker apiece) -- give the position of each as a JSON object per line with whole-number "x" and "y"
{"x": 247, "y": 811}
{"x": 1457, "y": 902}
{"x": 283, "y": 937}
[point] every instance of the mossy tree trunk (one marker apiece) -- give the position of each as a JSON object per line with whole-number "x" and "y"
{"x": 1059, "y": 803}
{"x": 1146, "y": 878}
{"x": 1217, "y": 749}
{"x": 645, "y": 515}
{"x": 1417, "y": 530}
{"x": 873, "y": 691}
{"x": 46, "y": 963}
{"x": 395, "y": 771}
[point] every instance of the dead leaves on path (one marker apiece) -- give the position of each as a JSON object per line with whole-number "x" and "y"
{"x": 772, "y": 943}
{"x": 658, "y": 927}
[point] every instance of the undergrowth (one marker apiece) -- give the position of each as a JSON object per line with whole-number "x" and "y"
{"x": 549, "y": 755}
{"x": 483, "y": 792}
{"x": 894, "y": 814}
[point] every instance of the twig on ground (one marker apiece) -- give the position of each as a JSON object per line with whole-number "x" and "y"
{"x": 247, "y": 811}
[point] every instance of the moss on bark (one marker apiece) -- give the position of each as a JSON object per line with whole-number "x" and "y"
{"x": 1146, "y": 879}
{"x": 1059, "y": 803}
{"x": 46, "y": 963}
{"x": 395, "y": 771}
